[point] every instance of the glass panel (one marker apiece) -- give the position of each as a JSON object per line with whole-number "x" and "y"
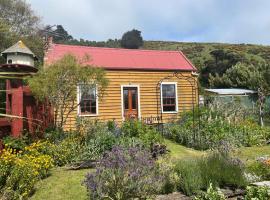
{"x": 134, "y": 99}
{"x": 87, "y": 100}
{"x": 168, "y": 97}
{"x": 168, "y": 90}
{"x": 125, "y": 99}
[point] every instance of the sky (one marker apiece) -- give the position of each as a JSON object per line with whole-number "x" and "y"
{"x": 227, "y": 21}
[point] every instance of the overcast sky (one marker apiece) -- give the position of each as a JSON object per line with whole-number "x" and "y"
{"x": 232, "y": 21}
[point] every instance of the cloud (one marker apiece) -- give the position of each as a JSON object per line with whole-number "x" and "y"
{"x": 233, "y": 21}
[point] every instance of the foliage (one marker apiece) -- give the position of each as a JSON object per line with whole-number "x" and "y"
{"x": 59, "y": 35}
{"x": 257, "y": 193}
{"x": 19, "y": 171}
{"x": 149, "y": 135}
{"x": 221, "y": 122}
{"x": 19, "y": 16}
{"x": 124, "y": 174}
{"x": 260, "y": 167}
{"x": 170, "y": 176}
{"x": 211, "y": 194}
{"x": 189, "y": 173}
{"x": 15, "y": 143}
{"x": 222, "y": 170}
{"x": 97, "y": 137}
{"x": 217, "y": 168}
{"x": 58, "y": 83}
{"x": 62, "y": 153}
{"x": 132, "y": 39}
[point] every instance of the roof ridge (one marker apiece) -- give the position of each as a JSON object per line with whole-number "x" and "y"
{"x": 119, "y": 49}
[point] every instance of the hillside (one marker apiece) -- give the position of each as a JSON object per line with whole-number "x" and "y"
{"x": 216, "y": 58}
{"x": 199, "y": 53}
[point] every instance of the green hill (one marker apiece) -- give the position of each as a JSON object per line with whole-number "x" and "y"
{"x": 217, "y": 58}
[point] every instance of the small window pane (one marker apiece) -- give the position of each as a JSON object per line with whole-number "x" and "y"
{"x": 134, "y": 99}
{"x": 126, "y": 99}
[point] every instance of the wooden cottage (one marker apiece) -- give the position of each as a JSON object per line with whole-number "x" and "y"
{"x": 150, "y": 85}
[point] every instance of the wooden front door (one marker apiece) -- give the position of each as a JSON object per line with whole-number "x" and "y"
{"x": 130, "y": 99}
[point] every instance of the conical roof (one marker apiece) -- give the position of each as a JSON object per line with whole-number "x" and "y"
{"x": 19, "y": 47}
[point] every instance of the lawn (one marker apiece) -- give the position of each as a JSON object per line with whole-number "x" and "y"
{"x": 62, "y": 184}
{"x": 180, "y": 152}
{"x": 66, "y": 184}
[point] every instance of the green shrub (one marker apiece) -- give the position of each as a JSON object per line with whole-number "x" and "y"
{"x": 211, "y": 194}
{"x": 148, "y": 135}
{"x": 190, "y": 177}
{"x": 222, "y": 170}
{"x": 257, "y": 193}
{"x": 211, "y": 126}
{"x": 15, "y": 143}
{"x": 170, "y": 177}
{"x": 93, "y": 148}
{"x": 19, "y": 171}
{"x": 260, "y": 168}
{"x": 216, "y": 168}
{"x": 124, "y": 173}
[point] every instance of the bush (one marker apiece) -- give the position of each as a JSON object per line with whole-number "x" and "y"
{"x": 190, "y": 177}
{"x": 257, "y": 193}
{"x": 213, "y": 127}
{"x": 19, "y": 172}
{"x": 124, "y": 173}
{"x": 260, "y": 168}
{"x": 222, "y": 170}
{"x": 62, "y": 153}
{"x": 211, "y": 194}
{"x": 148, "y": 135}
{"x": 216, "y": 168}
{"x": 15, "y": 143}
{"x": 97, "y": 137}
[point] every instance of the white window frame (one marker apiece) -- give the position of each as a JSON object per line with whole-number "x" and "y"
{"x": 122, "y": 100}
{"x": 79, "y": 107}
{"x": 176, "y": 96}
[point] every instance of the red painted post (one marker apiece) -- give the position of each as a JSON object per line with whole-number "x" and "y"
{"x": 17, "y": 108}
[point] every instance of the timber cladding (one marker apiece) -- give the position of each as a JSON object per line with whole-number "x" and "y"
{"x": 110, "y": 103}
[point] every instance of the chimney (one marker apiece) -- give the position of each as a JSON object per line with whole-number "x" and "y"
{"x": 48, "y": 43}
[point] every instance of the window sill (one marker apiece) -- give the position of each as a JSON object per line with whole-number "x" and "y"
{"x": 170, "y": 112}
{"x": 87, "y": 115}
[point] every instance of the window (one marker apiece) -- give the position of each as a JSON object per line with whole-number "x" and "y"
{"x": 169, "y": 97}
{"x": 9, "y": 61}
{"x": 87, "y": 100}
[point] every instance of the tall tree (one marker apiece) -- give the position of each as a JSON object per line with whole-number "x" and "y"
{"x": 19, "y": 16}
{"x": 132, "y": 39}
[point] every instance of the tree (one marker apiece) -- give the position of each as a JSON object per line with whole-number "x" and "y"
{"x": 19, "y": 16}
{"x": 246, "y": 76}
{"x": 60, "y": 34}
{"x": 19, "y": 22}
{"x": 58, "y": 84}
{"x": 132, "y": 39}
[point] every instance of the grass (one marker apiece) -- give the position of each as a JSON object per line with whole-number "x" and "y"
{"x": 251, "y": 153}
{"x": 178, "y": 152}
{"x": 62, "y": 184}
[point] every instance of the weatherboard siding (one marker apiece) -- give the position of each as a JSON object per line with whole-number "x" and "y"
{"x": 110, "y": 105}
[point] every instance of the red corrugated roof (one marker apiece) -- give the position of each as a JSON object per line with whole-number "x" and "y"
{"x": 112, "y": 58}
